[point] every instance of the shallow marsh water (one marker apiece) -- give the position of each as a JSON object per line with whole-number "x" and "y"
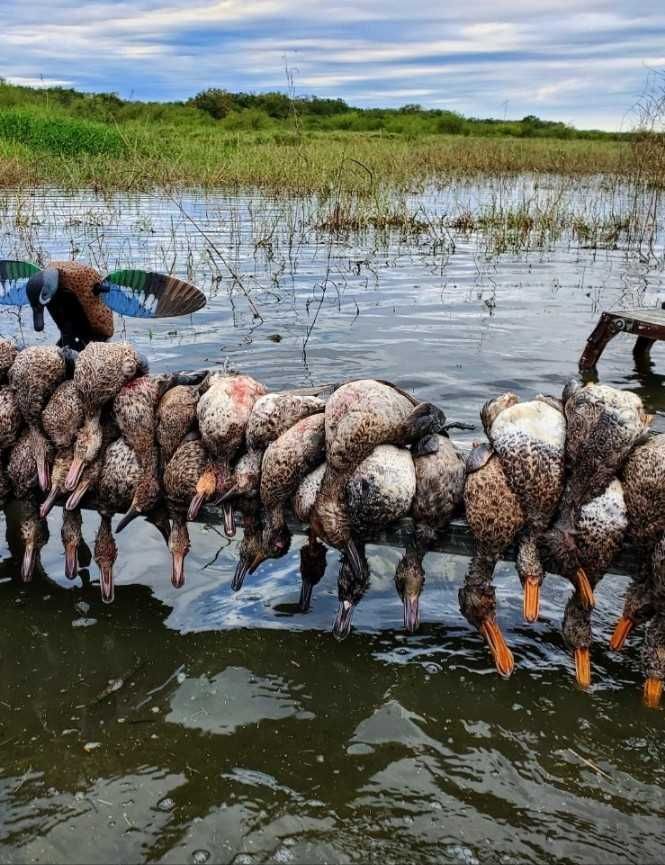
{"x": 242, "y": 732}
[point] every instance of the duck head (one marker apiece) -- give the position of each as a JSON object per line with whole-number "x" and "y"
{"x": 577, "y": 634}
{"x": 179, "y": 546}
{"x": 34, "y": 532}
{"x": 146, "y": 496}
{"x": 312, "y": 569}
{"x": 106, "y": 552}
{"x": 409, "y": 582}
{"x": 88, "y": 445}
{"x": 350, "y": 591}
{"x": 41, "y": 289}
{"x": 71, "y": 538}
{"x": 653, "y": 659}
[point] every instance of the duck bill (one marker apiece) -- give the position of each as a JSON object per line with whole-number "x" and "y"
{"x": 75, "y": 498}
{"x": 178, "y": 568}
{"x": 531, "y": 606}
{"x": 582, "y": 657}
{"x": 240, "y": 573}
{"x": 29, "y": 562}
{"x": 48, "y": 502}
{"x": 258, "y": 560}
{"x": 653, "y": 692}
{"x": 585, "y": 590}
{"x": 106, "y": 582}
{"x": 623, "y": 627}
{"x": 43, "y": 473}
{"x": 411, "y": 613}
{"x": 74, "y": 474}
{"x": 195, "y": 505}
{"x": 503, "y": 657}
{"x": 357, "y": 564}
{"x": 131, "y": 515}
{"x": 228, "y": 495}
{"x": 229, "y": 520}
{"x": 305, "y": 600}
{"x": 71, "y": 560}
{"x": 342, "y": 625}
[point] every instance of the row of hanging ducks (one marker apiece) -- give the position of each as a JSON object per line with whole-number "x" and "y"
{"x": 564, "y": 479}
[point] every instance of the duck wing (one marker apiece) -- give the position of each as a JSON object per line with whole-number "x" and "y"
{"x": 14, "y": 276}
{"x": 144, "y": 294}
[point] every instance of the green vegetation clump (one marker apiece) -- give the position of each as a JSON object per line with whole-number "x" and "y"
{"x": 61, "y": 135}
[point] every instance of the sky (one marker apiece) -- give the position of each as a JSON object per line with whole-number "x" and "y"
{"x": 584, "y": 63}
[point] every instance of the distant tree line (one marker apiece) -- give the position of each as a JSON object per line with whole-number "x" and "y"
{"x": 253, "y": 111}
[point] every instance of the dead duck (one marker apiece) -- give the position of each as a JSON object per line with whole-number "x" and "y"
{"x": 599, "y": 533}
{"x": 439, "y": 474}
{"x": 23, "y": 474}
{"x": 35, "y": 375}
{"x": 359, "y": 416}
{"x": 643, "y": 478}
{"x": 495, "y": 516}
{"x": 285, "y": 463}
{"x": 223, "y": 411}
{"x": 180, "y": 478}
{"x": 62, "y": 418}
{"x": 81, "y": 301}
{"x": 101, "y": 370}
{"x": 117, "y": 483}
{"x": 603, "y": 425}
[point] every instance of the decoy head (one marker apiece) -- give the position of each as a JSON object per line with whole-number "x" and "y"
{"x": 409, "y": 582}
{"x": 41, "y": 289}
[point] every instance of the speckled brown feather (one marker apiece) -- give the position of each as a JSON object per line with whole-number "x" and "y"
{"x": 22, "y": 466}
{"x": 35, "y": 374}
{"x": 80, "y": 280}
{"x": 8, "y": 354}
{"x": 287, "y": 460}
{"x": 176, "y": 417}
{"x": 275, "y": 413}
{"x": 63, "y": 415}
{"x": 11, "y": 419}
{"x": 102, "y": 369}
{"x": 439, "y": 485}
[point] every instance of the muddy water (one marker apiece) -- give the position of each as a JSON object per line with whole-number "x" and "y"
{"x": 235, "y": 729}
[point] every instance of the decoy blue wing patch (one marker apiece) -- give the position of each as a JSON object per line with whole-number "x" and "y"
{"x": 144, "y": 294}
{"x": 14, "y": 276}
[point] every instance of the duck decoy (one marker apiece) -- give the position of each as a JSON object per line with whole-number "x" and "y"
{"x": 530, "y": 439}
{"x": 359, "y": 416}
{"x": 101, "y": 370}
{"x": 599, "y": 533}
{"x": 81, "y": 301}
{"x": 34, "y": 375}
{"x": 180, "y": 478}
{"x": 643, "y": 477}
{"x": 223, "y": 411}
{"x": 495, "y": 517}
